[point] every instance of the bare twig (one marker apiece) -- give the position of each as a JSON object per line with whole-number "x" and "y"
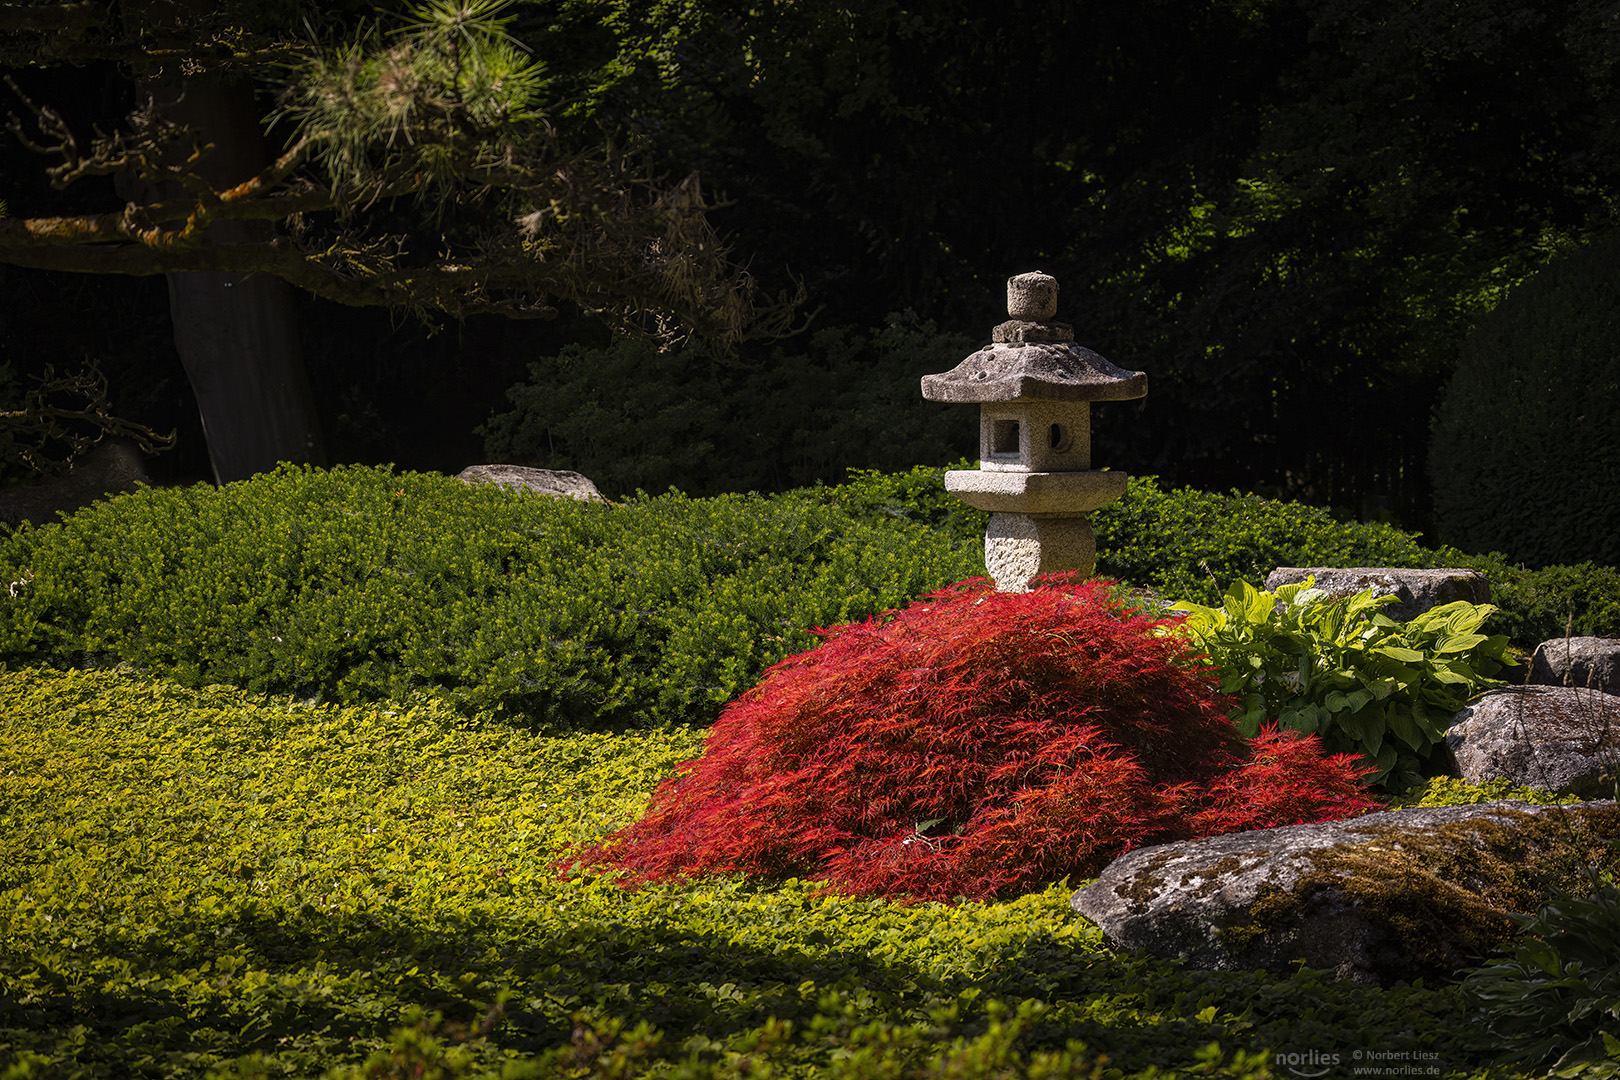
{"x": 46, "y": 434}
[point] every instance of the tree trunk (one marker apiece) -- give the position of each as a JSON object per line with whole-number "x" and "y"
{"x": 238, "y": 334}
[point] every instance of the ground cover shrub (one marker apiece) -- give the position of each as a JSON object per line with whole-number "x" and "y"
{"x": 976, "y": 743}
{"x": 359, "y": 584}
{"x": 210, "y": 883}
{"x": 1340, "y": 669}
{"x": 1452, "y": 791}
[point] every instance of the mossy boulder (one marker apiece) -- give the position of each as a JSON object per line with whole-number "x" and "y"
{"x": 1382, "y": 898}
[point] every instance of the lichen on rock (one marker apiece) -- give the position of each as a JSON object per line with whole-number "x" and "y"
{"x": 1399, "y": 895}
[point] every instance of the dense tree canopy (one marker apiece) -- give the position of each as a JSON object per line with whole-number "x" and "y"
{"x": 438, "y": 124}
{"x": 1288, "y": 212}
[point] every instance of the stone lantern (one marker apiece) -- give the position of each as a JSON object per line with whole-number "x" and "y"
{"x": 1034, "y": 387}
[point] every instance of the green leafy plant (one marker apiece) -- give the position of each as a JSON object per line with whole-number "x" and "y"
{"x": 1556, "y": 997}
{"x": 1341, "y": 669}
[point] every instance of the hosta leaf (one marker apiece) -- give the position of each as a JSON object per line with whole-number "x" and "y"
{"x": 1372, "y": 744}
{"x": 1259, "y": 605}
{"x": 1404, "y": 728}
{"x": 1458, "y": 643}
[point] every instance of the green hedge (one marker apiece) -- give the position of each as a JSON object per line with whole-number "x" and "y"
{"x": 1186, "y": 544}
{"x": 358, "y": 584}
{"x": 1191, "y": 545}
{"x": 215, "y": 884}
{"x": 1525, "y": 436}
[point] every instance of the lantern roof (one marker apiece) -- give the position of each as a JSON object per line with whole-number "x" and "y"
{"x": 1031, "y": 357}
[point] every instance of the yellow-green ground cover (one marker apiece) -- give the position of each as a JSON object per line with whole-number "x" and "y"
{"x": 210, "y": 883}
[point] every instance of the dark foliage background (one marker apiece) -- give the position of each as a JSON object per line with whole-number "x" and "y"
{"x": 1288, "y": 213}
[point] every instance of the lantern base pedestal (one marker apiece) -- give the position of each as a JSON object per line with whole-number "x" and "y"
{"x": 1017, "y": 547}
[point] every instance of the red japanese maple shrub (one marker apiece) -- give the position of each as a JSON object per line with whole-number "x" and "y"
{"x": 976, "y": 744}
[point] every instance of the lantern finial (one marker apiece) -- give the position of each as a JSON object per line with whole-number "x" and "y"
{"x": 1032, "y": 297}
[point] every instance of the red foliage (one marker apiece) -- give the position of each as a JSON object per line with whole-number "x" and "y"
{"x": 976, "y": 744}
{"x": 1285, "y": 781}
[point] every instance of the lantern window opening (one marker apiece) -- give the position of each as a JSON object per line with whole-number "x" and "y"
{"x": 1004, "y": 438}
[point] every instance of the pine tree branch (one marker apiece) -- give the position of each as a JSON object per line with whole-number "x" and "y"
{"x": 439, "y": 135}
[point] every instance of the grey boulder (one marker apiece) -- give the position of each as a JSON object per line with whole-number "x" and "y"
{"x": 1379, "y": 899}
{"x": 1563, "y": 739}
{"x": 560, "y": 483}
{"x": 1416, "y": 590}
{"x": 1577, "y": 661}
{"x": 112, "y": 467}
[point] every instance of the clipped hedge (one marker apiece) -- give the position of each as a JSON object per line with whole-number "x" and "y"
{"x": 216, "y": 884}
{"x": 358, "y": 584}
{"x": 1191, "y": 545}
{"x": 1186, "y": 544}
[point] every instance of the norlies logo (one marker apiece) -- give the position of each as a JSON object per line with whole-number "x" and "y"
{"x": 1307, "y": 1064}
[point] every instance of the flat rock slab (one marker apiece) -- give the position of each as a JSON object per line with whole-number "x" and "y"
{"x": 1379, "y": 899}
{"x": 560, "y": 483}
{"x": 1592, "y": 662}
{"x": 1560, "y": 738}
{"x": 1416, "y": 590}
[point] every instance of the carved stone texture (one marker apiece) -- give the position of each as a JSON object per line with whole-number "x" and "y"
{"x": 1577, "y": 661}
{"x": 1017, "y": 547}
{"x": 1418, "y": 590}
{"x": 1377, "y": 899}
{"x": 1563, "y": 739}
{"x": 1035, "y": 492}
{"x": 560, "y": 483}
{"x": 1036, "y": 371}
{"x": 1016, "y": 331}
{"x": 1032, "y": 296}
